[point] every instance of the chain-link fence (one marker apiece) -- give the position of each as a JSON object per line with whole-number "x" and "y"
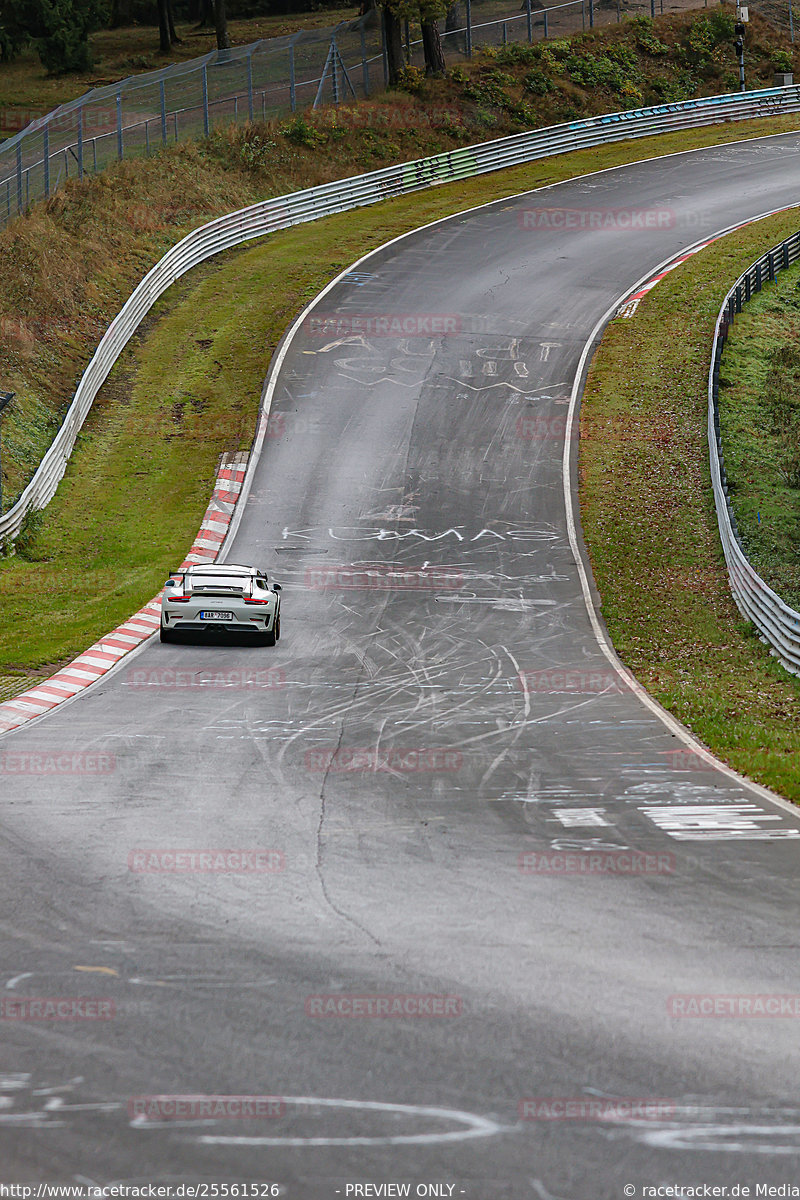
{"x": 269, "y": 78}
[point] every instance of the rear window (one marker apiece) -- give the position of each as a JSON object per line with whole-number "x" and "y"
{"x": 228, "y": 582}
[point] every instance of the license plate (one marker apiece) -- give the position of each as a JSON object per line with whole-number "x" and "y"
{"x": 216, "y": 616}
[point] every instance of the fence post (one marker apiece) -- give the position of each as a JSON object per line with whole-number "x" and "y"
{"x": 530, "y": 22}
{"x": 618, "y": 15}
{"x": 469, "y": 28}
{"x": 120, "y": 147}
{"x": 335, "y": 65}
{"x": 205, "y": 100}
{"x": 364, "y": 63}
{"x": 94, "y": 153}
{"x": 583, "y": 14}
{"x": 163, "y": 91}
{"x": 19, "y": 176}
{"x": 408, "y": 42}
{"x": 46, "y": 157}
{"x": 791, "y": 22}
{"x": 292, "y": 93}
{"x": 591, "y": 14}
{"x": 80, "y": 141}
{"x": 250, "y": 86}
{"x": 545, "y": 24}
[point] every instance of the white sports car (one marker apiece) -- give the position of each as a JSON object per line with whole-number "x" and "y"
{"x": 222, "y": 599}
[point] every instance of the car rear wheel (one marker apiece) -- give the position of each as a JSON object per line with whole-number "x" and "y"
{"x": 269, "y": 639}
{"x": 167, "y": 635}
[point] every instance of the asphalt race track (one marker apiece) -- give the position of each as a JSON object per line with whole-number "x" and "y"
{"x": 388, "y": 754}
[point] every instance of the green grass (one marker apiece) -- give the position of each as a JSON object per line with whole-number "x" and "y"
{"x": 649, "y": 521}
{"x": 760, "y": 421}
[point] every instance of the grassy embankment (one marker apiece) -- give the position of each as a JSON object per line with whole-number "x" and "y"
{"x": 760, "y": 420}
{"x": 650, "y": 524}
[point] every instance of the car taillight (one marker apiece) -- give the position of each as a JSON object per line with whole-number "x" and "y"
{"x": 255, "y": 600}
{"x": 180, "y": 599}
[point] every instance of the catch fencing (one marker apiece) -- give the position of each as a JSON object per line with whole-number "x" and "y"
{"x": 778, "y": 624}
{"x": 265, "y": 80}
{"x": 355, "y": 192}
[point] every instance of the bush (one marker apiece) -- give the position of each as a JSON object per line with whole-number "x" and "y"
{"x": 518, "y": 52}
{"x": 594, "y": 71}
{"x": 410, "y": 79}
{"x": 299, "y": 131}
{"x": 537, "y": 83}
{"x": 782, "y": 60}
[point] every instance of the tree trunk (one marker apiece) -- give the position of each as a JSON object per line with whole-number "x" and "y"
{"x": 221, "y": 23}
{"x": 164, "y": 43}
{"x": 173, "y": 37}
{"x": 452, "y": 23}
{"x": 432, "y": 47}
{"x": 393, "y": 41}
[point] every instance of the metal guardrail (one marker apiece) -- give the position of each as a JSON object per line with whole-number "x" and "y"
{"x": 776, "y": 621}
{"x": 355, "y": 192}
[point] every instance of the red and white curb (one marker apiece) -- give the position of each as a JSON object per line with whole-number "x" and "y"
{"x": 95, "y": 662}
{"x": 629, "y": 306}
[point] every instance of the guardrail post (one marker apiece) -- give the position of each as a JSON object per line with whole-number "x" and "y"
{"x": 469, "y": 28}
{"x": 292, "y": 92}
{"x": 46, "y": 157}
{"x": 758, "y": 276}
{"x": 747, "y": 288}
{"x": 530, "y": 21}
{"x": 206, "y": 127}
{"x": 120, "y": 147}
{"x": 364, "y": 63}
{"x": 19, "y": 177}
{"x": 770, "y": 266}
{"x": 250, "y": 86}
{"x": 738, "y": 299}
{"x": 80, "y": 141}
{"x": 785, "y": 250}
{"x": 163, "y": 96}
